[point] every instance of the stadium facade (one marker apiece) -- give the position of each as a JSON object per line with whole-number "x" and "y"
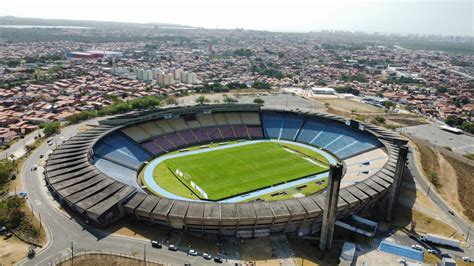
{"x": 94, "y": 173}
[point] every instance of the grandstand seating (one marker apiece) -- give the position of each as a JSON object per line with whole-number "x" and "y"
{"x": 176, "y": 140}
{"x": 188, "y": 136}
{"x": 136, "y": 133}
{"x": 119, "y": 149}
{"x": 227, "y": 132}
{"x": 117, "y": 171}
{"x": 240, "y": 131}
{"x": 166, "y": 135}
{"x": 342, "y": 141}
{"x": 214, "y": 133}
{"x": 169, "y": 142}
{"x": 153, "y": 148}
{"x": 281, "y": 126}
{"x": 255, "y": 132}
{"x": 250, "y": 118}
{"x": 233, "y": 118}
{"x": 201, "y": 134}
{"x": 220, "y": 118}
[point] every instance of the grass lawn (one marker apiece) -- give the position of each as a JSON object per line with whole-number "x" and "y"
{"x": 311, "y": 188}
{"x": 233, "y": 171}
{"x": 307, "y": 152}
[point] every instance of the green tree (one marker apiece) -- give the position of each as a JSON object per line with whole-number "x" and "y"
{"x": 171, "y": 100}
{"x": 202, "y": 99}
{"x": 468, "y": 127}
{"x": 258, "y": 101}
{"x": 228, "y": 99}
{"x": 51, "y": 128}
{"x": 453, "y": 120}
{"x": 7, "y": 169}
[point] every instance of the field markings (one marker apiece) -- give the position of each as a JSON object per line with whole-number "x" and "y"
{"x": 152, "y": 185}
{"x": 316, "y": 163}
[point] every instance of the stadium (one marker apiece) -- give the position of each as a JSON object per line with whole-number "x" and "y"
{"x": 240, "y": 170}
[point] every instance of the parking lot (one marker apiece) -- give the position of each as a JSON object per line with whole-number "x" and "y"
{"x": 460, "y": 144}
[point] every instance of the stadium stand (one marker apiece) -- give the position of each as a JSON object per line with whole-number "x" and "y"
{"x": 214, "y": 133}
{"x": 227, "y": 132}
{"x": 165, "y": 126}
{"x": 176, "y": 140}
{"x": 136, "y": 133}
{"x": 281, "y": 126}
{"x": 233, "y": 118}
{"x": 188, "y": 136}
{"x": 120, "y": 150}
{"x": 250, "y": 118}
{"x": 240, "y": 131}
{"x": 201, "y": 134}
{"x": 151, "y": 129}
{"x": 206, "y": 120}
{"x": 101, "y": 199}
{"x": 337, "y": 138}
{"x": 178, "y": 124}
{"x": 255, "y": 132}
{"x": 220, "y": 118}
{"x": 153, "y": 148}
{"x": 117, "y": 171}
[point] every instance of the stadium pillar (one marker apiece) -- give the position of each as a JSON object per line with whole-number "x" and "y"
{"x": 397, "y": 181}
{"x": 330, "y": 210}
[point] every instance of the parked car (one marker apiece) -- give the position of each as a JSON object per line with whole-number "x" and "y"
{"x": 466, "y": 259}
{"x": 192, "y": 252}
{"x": 451, "y": 212}
{"x": 432, "y": 251}
{"x": 446, "y": 255}
{"x": 173, "y": 248}
{"x": 206, "y": 256}
{"x": 31, "y": 252}
{"x": 41, "y": 156}
{"x": 218, "y": 259}
{"x": 156, "y": 244}
{"x": 417, "y": 247}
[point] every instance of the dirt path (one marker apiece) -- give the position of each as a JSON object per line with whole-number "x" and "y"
{"x": 449, "y": 183}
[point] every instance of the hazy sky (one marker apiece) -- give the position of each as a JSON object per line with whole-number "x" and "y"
{"x": 448, "y": 17}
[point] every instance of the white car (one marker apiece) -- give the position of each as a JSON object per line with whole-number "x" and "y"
{"x": 192, "y": 252}
{"x": 466, "y": 259}
{"x": 417, "y": 247}
{"x": 206, "y": 256}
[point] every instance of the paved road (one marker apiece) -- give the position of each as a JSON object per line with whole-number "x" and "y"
{"x": 62, "y": 230}
{"x": 425, "y": 185}
{"x": 18, "y": 148}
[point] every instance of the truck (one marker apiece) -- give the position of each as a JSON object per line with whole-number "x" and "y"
{"x": 440, "y": 240}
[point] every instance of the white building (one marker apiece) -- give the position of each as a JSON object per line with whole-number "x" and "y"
{"x": 325, "y": 91}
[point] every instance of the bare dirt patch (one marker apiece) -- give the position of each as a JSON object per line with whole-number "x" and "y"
{"x": 449, "y": 183}
{"x": 465, "y": 188}
{"x": 348, "y": 105}
{"x": 424, "y": 224}
{"x": 12, "y": 251}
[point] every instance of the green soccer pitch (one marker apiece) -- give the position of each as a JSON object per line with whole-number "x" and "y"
{"x": 233, "y": 171}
